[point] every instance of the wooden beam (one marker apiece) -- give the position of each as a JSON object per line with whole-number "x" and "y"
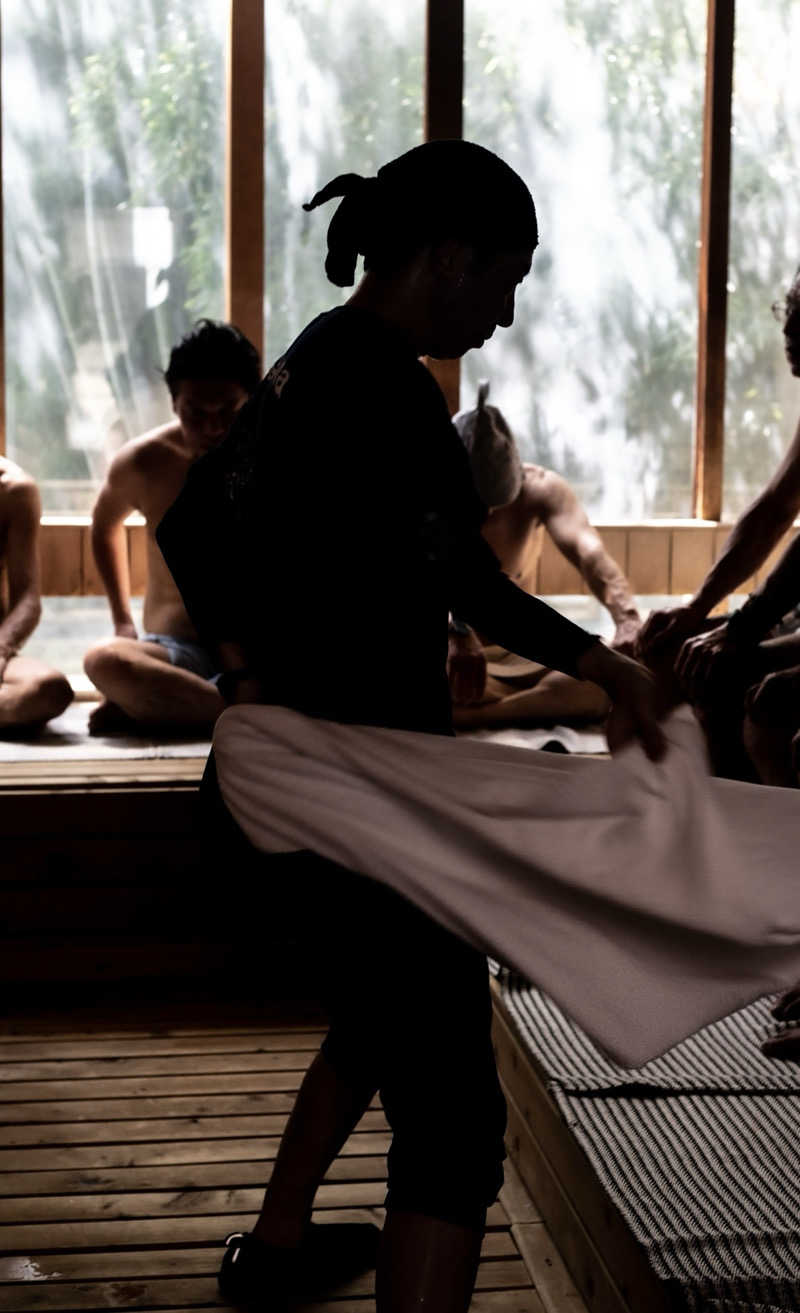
{"x": 713, "y": 270}
{"x": 444, "y": 96}
{"x": 244, "y": 182}
{"x": 2, "y": 279}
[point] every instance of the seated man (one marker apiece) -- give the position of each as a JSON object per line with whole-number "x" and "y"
{"x": 30, "y": 692}
{"x": 165, "y": 678}
{"x": 745, "y": 658}
{"x": 492, "y": 687}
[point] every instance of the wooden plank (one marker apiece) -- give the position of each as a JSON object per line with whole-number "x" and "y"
{"x": 134, "y": 1086}
{"x": 649, "y": 560}
{"x": 223, "y": 1110}
{"x": 89, "y": 1071}
{"x": 201, "y": 1176}
{"x": 244, "y": 183}
{"x": 175, "y": 1203}
{"x": 713, "y": 262}
{"x": 16, "y": 1134}
{"x": 60, "y": 555}
{"x": 547, "y": 1269}
{"x": 691, "y": 560}
{"x": 196, "y": 1293}
{"x": 515, "y": 1197}
{"x": 91, "y": 582}
{"x": 48, "y": 1237}
{"x": 202, "y": 1261}
{"x": 156, "y": 1155}
{"x": 24, "y": 1051}
{"x": 556, "y": 573}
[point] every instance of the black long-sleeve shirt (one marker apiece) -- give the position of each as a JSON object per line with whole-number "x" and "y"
{"x": 335, "y": 528}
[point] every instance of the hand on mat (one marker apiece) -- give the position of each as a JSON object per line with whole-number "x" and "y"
{"x": 634, "y": 699}
{"x": 786, "y": 1047}
{"x": 466, "y": 667}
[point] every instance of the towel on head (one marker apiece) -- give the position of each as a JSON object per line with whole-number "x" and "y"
{"x": 495, "y": 461}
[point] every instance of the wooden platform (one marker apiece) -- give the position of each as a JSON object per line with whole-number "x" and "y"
{"x": 610, "y": 1268}
{"x": 129, "y": 1148}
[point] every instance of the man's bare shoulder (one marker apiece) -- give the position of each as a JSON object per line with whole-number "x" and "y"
{"x": 152, "y": 450}
{"x": 542, "y": 489}
{"x": 19, "y": 495}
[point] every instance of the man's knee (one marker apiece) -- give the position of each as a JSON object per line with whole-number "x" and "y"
{"x": 108, "y": 661}
{"x": 53, "y": 694}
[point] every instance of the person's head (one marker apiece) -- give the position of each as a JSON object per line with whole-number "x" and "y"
{"x": 211, "y": 373}
{"x": 450, "y": 225}
{"x": 788, "y": 314}
{"x": 493, "y": 455}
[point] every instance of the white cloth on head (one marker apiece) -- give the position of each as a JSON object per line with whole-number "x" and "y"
{"x": 647, "y": 899}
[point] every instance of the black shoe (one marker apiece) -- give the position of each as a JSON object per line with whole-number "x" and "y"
{"x": 253, "y": 1273}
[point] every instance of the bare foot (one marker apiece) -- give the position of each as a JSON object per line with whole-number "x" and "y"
{"x": 108, "y": 718}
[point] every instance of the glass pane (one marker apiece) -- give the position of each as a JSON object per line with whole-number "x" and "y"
{"x": 761, "y": 395}
{"x": 598, "y": 103}
{"x": 343, "y": 95}
{"x": 113, "y": 205}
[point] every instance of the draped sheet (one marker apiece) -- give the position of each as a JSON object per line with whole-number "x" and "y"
{"x": 646, "y": 899}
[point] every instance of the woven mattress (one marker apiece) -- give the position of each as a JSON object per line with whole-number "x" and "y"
{"x": 699, "y": 1150}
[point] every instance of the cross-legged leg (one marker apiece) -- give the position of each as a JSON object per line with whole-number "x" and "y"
{"x": 31, "y": 693}
{"x": 556, "y": 698}
{"x": 139, "y": 679}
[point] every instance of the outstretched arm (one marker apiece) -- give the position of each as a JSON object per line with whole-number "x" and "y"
{"x": 22, "y": 561}
{"x": 751, "y": 540}
{"x": 568, "y": 525}
{"x": 110, "y": 544}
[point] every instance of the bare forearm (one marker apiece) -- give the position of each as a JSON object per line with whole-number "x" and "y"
{"x": 110, "y": 550}
{"x": 19, "y": 624}
{"x": 750, "y": 543}
{"x": 609, "y": 585}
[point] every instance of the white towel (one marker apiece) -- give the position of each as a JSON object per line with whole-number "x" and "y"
{"x": 647, "y": 899}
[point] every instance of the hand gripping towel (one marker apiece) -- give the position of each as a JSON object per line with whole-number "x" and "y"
{"x": 647, "y": 899}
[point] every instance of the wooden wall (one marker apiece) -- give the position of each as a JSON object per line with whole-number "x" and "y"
{"x": 660, "y": 557}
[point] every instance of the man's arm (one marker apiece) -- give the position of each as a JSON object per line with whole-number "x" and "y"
{"x": 109, "y": 542}
{"x": 568, "y": 525}
{"x": 22, "y": 563}
{"x": 751, "y": 540}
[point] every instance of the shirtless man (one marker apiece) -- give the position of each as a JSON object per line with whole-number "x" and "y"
{"x": 166, "y": 677}
{"x": 30, "y": 692}
{"x": 491, "y": 687}
{"x": 738, "y": 659}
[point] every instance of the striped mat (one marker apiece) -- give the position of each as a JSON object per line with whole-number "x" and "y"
{"x": 700, "y": 1151}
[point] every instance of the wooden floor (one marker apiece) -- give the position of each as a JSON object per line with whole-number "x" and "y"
{"x": 128, "y": 1152}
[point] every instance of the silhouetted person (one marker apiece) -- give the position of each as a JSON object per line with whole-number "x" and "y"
{"x": 345, "y": 519}
{"x": 165, "y": 677}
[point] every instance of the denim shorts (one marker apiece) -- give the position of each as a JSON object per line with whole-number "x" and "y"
{"x": 187, "y": 655}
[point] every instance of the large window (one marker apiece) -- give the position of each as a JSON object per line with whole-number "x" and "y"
{"x": 600, "y": 106}
{"x": 113, "y": 121}
{"x": 343, "y": 93}
{"x": 762, "y": 398}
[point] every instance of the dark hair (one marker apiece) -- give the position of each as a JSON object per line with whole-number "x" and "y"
{"x": 442, "y": 189}
{"x": 214, "y": 350}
